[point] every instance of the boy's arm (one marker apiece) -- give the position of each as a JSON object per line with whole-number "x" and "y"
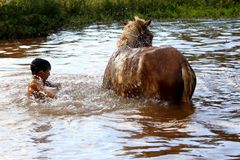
{"x": 36, "y": 89}
{"x": 55, "y": 85}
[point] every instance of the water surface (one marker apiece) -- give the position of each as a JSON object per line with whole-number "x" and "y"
{"x": 88, "y": 122}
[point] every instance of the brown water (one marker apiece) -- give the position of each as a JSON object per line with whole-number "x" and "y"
{"x": 88, "y": 122}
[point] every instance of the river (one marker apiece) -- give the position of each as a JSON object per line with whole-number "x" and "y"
{"x": 90, "y": 123}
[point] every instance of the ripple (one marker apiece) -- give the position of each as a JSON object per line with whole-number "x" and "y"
{"x": 88, "y": 120}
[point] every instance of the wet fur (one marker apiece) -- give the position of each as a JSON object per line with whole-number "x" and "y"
{"x": 152, "y": 72}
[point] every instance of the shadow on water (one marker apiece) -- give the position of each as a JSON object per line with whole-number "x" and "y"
{"x": 160, "y": 124}
{"x": 20, "y": 48}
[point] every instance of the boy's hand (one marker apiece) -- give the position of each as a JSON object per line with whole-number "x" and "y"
{"x": 58, "y": 85}
{"x": 55, "y": 85}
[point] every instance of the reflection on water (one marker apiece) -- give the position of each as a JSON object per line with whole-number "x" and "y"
{"x": 88, "y": 122}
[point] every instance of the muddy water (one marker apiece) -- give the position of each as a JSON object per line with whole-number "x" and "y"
{"x": 88, "y": 122}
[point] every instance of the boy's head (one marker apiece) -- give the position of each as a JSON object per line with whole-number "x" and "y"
{"x": 39, "y": 65}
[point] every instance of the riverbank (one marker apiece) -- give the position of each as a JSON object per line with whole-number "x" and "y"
{"x": 37, "y": 18}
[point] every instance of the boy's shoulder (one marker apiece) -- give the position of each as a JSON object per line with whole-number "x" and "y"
{"x": 34, "y": 83}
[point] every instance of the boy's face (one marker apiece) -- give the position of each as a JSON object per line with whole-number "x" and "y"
{"x": 44, "y": 74}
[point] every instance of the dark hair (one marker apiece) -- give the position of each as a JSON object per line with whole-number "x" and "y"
{"x": 39, "y": 64}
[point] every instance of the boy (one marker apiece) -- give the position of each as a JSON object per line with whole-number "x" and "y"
{"x": 38, "y": 86}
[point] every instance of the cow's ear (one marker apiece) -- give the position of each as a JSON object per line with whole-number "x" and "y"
{"x": 148, "y": 22}
{"x": 124, "y": 22}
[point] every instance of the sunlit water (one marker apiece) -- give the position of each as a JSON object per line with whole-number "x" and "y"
{"x": 88, "y": 122}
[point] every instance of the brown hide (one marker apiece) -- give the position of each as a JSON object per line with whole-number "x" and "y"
{"x": 151, "y": 72}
